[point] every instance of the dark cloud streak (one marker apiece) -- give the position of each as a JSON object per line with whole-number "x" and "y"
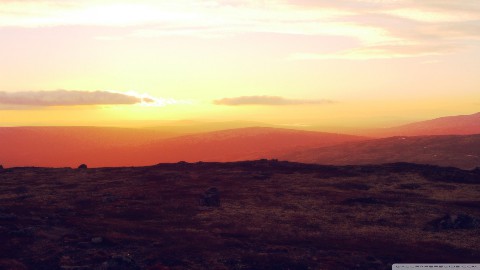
{"x": 268, "y": 100}
{"x": 66, "y": 98}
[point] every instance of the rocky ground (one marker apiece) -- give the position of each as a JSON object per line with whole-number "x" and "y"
{"x": 243, "y": 215}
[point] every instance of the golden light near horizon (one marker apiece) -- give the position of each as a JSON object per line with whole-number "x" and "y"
{"x": 178, "y": 58}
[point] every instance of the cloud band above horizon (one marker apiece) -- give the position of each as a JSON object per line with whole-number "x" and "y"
{"x": 268, "y": 100}
{"x": 69, "y": 98}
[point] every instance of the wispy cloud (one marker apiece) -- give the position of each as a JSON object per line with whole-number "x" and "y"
{"x": 74, "y": 98}
{"x": 267, "y": 100}
{"x": 380, "y": 52}
{"x": 383, "y": 28}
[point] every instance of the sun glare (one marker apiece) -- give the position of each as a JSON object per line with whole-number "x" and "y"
{"x": 148, "y": 100}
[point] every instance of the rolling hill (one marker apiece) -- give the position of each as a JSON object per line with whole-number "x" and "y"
{"x": 98, "y": 147}
{"x": 449, "y": 125}
{"x": 243, "y": 144}
{"x": 462, "y": 151}
{"x": 66, "y": 146}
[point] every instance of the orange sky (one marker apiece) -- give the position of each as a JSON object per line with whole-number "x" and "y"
{"x": 333, "y": 63}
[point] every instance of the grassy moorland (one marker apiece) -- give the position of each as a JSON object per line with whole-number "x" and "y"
{"x": 272, "y": 215}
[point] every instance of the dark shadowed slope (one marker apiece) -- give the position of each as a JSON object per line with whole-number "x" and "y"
{"x": 57, "y": 147}
{"x": 461, "y": 151}
{"x": 450, "y": 125}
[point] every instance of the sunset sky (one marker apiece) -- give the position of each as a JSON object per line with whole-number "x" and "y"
{"x": 356, "y": 63}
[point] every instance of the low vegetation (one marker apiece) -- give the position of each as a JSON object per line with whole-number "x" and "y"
{"x": 224, "y": 216}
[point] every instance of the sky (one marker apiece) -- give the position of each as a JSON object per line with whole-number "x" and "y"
{"x": 356, "y": 63}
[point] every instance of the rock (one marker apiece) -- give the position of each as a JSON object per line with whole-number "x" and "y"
{"x": 364, "y": 200}
{"x": 158, "y": 266}
{"x": 76, "y": 267}
{"x": 10, "y": 264}
{"x": 262, "y": 176}
{"x": 109, "y": 198}
{"x": 454, "y": 222}
{"x": 182, "y": 162}
{"x": 211, "y": 198}
{"x": 25, "y": 232}
{"x": 82, "y": 166}
{"x": 84, "y": 244}
{"x": 1, "y": 167}
{"x": 119, "y": 262}
{"x": 7, "y": 217}
{"x": 97, "y": 240}
{"x": 409, "y": 186}
{"x": 20, "y": 190}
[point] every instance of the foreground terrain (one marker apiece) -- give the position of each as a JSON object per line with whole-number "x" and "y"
{"x": 261, "y": 214}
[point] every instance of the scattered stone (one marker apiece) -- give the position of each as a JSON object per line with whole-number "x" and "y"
{"x": 84, "y": 244}
{"x": 120, "y": 262}
{"x": 82, "y": 166}
{"x": 70, "y": 238}
{"x": 454, "y": 222}
{"x": 76, "y": 267}
{"x": 351, "y": 186}
{"x": 20, "y": 190}
{"x": 211, "y": 198}
{"x": 409, "y": 186}
{"x": 364, "y": 200}
{"x": 262, "y": 176}
{"x": 25, "y": 232}
{"x": 7, "y": 217}
{"x": 97, "y": 240}
{"x": 109, "y": 198}
{"x": 158, "y": 266}
{"x": 11, "y": 264}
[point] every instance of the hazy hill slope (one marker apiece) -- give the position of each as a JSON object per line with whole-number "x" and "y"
{"x": 461, "y": 151}
{"x": 67, "y": 146}
{"x": 59, "y": 147}
{"x": 450, "y": 125}
{"x": 243, "y": 144}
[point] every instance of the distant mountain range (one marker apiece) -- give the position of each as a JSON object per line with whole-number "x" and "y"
{"x": 447, "y": 141}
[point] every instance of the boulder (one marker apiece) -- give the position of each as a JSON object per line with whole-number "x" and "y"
{"x": 82, "y": 166}
{"x": 409, "y": 186}
{"x": 120, "y": 262}
{"x": 364, "y": 200}
{"x": 7, "y": 217}
{"x": 12, "y": 264}
{"x": 211, "y": 198}
{"x": 97, "y": 240}
{"x": 454, "y": 222}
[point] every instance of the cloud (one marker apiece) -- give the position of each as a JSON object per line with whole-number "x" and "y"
{"x": 70, "y": 98}
{"x": 379, "y": 52}
{"x": 405, "y": 28}
{"x": 267, "y": 100}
